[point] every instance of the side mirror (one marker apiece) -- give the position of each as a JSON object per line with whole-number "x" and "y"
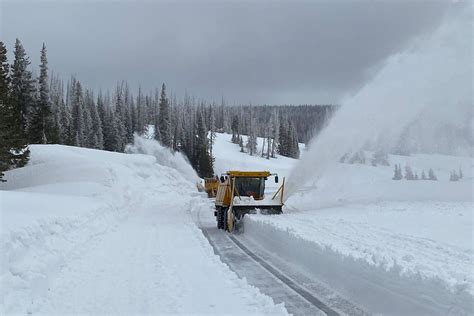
{"x": 222, "y": 179}
{"x": 276, "y": 179}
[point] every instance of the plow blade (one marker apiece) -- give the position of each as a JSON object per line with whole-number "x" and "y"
{"x": 241, "y": 210}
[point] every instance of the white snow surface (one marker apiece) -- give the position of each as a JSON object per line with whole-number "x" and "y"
{"x": 416, "y": 229}
{"x": 93, "y": 232}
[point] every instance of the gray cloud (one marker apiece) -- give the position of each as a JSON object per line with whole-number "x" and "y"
{"x": 263, "y": 52}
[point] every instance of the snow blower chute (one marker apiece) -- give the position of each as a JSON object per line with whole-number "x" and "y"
{"x": 243, "y": 192}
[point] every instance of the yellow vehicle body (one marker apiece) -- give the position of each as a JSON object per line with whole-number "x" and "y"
{"x": 242, "y": 192}
{"x": 210, "y": 186}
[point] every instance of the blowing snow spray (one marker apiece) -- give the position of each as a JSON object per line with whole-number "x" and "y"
{"x": 422, "y": 97}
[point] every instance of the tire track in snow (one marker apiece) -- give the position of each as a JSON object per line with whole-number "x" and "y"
{"x": 287, "y": 281}
{"x": 263, "y": 275}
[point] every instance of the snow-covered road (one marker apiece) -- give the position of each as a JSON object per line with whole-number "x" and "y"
{"x": 300, "y": 294}
{"x": 137, "y": 269}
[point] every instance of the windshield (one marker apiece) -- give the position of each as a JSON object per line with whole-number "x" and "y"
{"x": 250, "y": 187}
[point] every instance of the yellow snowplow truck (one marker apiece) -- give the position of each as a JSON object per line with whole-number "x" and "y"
{"x": 242, "y": 192}
{"x": 210, "y": 186}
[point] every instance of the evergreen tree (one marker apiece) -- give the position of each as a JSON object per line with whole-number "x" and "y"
{"x": 294, "y": 149}
{"x": 212, "y": 130}
{"x": 241, "y": 144}
{"x": 78, "y": 129}
{"x": 431, "y": 175}
{"x": 423, "y": 175}
{"x": 141, "y": 113}
{"x": 276, "y": 132}
{"x": 41, "y": 125}
{"x": 202, "y": 161}
{"x": 283, "y": 142}
{"x": 164, "y": 119}
{"x": 22, "y": 85}
{"x": 409, "y": 173}
{"x": 397, "y": 175}
{"x": 87, "y": 106}
{"x": 97, "y": 132}
{"x": 358, "y": 157}
{"x": 127, "y": 115}
{"x": 56, "y": 97}
{"x": 235, "y": 129}
{"x": 252, "y": 138}
{"x": 454, "y": 176}
{"x": 118, "y": 127}
{"x": 460, "y": 173}
{"x": 13, "y": 144}
{"x": 380, "y": 157}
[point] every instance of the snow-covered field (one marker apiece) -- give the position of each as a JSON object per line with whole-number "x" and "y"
{"x": 418, "y": 231}
{"x": 93, "y": 232}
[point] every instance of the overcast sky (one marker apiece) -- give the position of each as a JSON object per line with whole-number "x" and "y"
{"x": 247, "y": 51}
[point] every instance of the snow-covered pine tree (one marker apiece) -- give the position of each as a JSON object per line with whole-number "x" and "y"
{"x": 269, "y": 142}
{"x": 202, "y": 160}
{"x": 97, "y": 132}
{"x": 397, "y": 175}
{"x": 101, "y": 110}
{"x": 22, "y": 85}
{"x": 221, "y": 117}
{"x": 56, "y": 95}
{"x": 164, "y": 119}
{"x": 41, "y": 125}
{"x": 78, "y": 115}
{"x": 409, "y": 173}
{"x": 235, "y": 129}
{"x": 276, "y": 132}
{"x": 88, "y": 104}
{"x": 357, "y": 157}
{"x": 294, "y": 150}
{"x": 212, "y": 130}
{"x": 127, "y": 115}
{"x": 283, "y": 143}
{"x": 380, "y": 157}
{"x": 460, "y": 173}
{"x": 431, "y": 175}
{"x": 252, "y": 137}
{"x": 13, "y": 144}
{"x": 141, "y": 112}
{"x": 454, "y": 176}
{"x": 120, "y": 134}
{"x": 107, "y": 125}
{"x": 423, "y": 175}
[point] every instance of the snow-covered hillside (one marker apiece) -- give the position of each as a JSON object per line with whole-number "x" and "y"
{"x": 93, "y": 232}
{"x": 414, "y": 233}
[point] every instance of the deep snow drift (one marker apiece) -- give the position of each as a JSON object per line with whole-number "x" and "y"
{"x": 87, "y": 231}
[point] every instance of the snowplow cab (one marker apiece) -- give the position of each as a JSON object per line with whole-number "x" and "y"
{"x": 242, "y": 192}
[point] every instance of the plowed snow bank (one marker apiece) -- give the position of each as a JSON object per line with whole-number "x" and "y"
{"x": 409, "y": 248}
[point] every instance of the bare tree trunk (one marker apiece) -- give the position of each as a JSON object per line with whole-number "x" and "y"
{"x": 269, "y": 140}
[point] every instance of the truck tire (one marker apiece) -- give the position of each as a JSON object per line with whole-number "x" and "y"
{"x": 224, "y": 219}
{"x": 220, "y": 218}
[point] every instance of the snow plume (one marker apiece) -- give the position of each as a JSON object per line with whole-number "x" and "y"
{"x": 163, "y": 156}
{"x": 421, "y": 99}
